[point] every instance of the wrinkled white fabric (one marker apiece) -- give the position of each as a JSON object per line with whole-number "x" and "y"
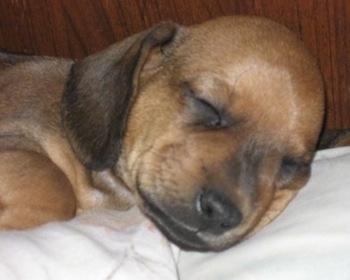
{"x": 98, "y": 245}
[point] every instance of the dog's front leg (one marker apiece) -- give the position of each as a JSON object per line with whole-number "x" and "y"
{"x": 33, "y": 191}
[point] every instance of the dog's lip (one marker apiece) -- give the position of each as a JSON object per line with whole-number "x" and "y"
{"x": 173, "y": 230}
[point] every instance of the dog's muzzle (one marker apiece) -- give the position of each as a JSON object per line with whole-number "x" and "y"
{"x": 211, "y": 216}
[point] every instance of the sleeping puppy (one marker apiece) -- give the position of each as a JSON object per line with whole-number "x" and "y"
{"x": 209, "y": 129}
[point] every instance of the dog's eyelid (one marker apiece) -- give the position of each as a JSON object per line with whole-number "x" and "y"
{"x": 292, "y": 165}
{"x": 215, "y": 117}
{"x": 295, "y": 161}
{"x": 207, "y": 114}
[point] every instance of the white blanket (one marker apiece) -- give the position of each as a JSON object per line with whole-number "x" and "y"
{"x": 310, "y": 240}
{"x": 99, "y": 245}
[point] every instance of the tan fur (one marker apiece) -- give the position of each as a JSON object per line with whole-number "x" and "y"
{"x": 138, "y": 123}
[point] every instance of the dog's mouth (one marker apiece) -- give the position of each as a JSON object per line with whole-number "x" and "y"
{"x": 188, "y": 237}
{"x": 177, "y": 233}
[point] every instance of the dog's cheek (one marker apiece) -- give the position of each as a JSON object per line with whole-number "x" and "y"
{"x": 143, "y": 163}
{"x": 163, "y": 172}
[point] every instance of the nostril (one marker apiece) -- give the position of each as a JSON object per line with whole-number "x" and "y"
{"x": 217, "y": 213}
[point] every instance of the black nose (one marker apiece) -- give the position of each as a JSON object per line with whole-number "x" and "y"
{"x": 217, "y": 213}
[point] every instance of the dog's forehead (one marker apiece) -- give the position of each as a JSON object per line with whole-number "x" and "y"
{"x": 236, "y": 37}
{"x": 232, "y": 41}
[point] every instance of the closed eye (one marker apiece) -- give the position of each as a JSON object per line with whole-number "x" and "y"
{"x": 205, "y": 113}
{"x": 291, "y": 167}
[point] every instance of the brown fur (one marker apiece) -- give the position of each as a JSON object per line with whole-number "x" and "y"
{"x": 209, "y": 129}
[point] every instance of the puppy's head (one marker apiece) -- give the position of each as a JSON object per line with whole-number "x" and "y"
{"x": 213, "y": 127}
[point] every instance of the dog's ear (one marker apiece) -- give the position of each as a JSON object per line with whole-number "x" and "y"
{"x": 100, "y": 91}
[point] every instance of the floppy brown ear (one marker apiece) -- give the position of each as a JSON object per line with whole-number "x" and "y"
{"x": 99, "y": 93}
